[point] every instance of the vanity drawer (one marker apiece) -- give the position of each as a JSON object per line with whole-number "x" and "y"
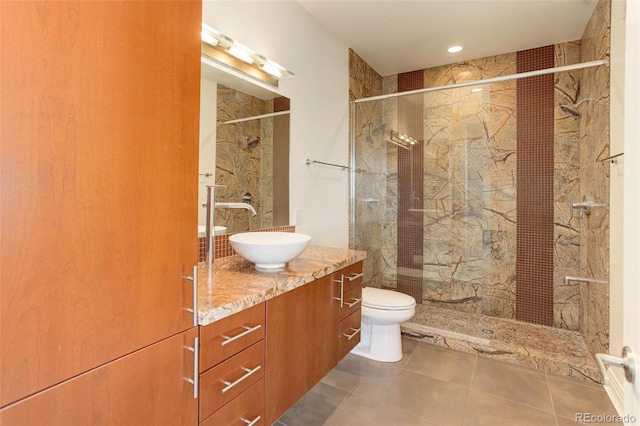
{"x": 350, "y": 329}
{"x": 352, "y": 301}
{"x": 247, "y": 408}
{"x": 225, "y": 381}
{"x": 227, "y": 337}
{"x": 352, "y": 276}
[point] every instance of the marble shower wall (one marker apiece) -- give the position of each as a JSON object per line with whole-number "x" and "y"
{"x": 369, "y": 204}
{"x": 594, "y": 179}
{"x": 469, "y": 199}
{"x": 241, "y": 162}
{"x": 567, "y": 308}
{"x": 470, "y": 188}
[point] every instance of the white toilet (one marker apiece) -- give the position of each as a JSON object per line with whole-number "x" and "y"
{"x": 382, "y": 313}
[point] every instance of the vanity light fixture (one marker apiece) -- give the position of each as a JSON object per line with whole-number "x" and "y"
{"x": 225, "y": 49}
{"x": 477, "y": 89}
{"x": 241, "y": 52}
{"x": 455, "y": 49}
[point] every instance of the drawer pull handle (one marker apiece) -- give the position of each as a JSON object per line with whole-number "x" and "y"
{"x": 352, "y": 335}
{"x": 355, "y": 302}
{"x": 248, "y": 330}
{"x": 231, "y": 385}
{"x": 355, "y": 276}
{"x": 250, "y": 422}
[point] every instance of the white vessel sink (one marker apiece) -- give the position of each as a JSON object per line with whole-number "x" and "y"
{"x": 269, "y": 250}
{"x": 218, "y": 230}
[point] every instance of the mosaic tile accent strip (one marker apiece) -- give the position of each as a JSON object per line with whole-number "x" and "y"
{"x": 410, "y": 187}
{"x": 535, "y": 183}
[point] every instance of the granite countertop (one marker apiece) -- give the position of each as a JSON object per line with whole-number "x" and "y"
{"x": 234, "y": 284}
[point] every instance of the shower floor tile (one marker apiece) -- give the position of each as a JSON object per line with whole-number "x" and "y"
{"x": 553, "y": 350}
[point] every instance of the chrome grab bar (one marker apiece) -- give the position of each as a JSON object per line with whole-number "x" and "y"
{"x": 230, "y": 385}
{"x": 627, "y": 362}
{"x": 248, "y": 330}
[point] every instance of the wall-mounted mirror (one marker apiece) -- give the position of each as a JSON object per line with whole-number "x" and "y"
{"x": 244, "y": 145}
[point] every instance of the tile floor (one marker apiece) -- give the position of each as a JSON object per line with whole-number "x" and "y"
{"x": 435, "y": 385}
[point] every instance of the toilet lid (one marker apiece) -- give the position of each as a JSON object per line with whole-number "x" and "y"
{"x": 386, "y": 299}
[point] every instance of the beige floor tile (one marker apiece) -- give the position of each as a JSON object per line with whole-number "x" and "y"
{"x": 491, "y": 410}
{"x": 408, "y": 346}
{"x": 363, "y": 377}
{"x": 347, "y": 373}
{"x": 442, "y": 363}
{"x": 428, "y": 398}
{"x": 353, "y": 411}
{"x": 387, "y": 416}
{"x": 520, "y": 384}
{"x": 376, "y": 385}
{"x": 572, "y": 396}
{"x": 315, "y": 407}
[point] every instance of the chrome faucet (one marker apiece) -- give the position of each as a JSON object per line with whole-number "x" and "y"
{"x": 210, "y": 239}
{"x": 237, "y": 206}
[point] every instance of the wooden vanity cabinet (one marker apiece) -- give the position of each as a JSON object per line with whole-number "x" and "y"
{"x": 307, "y": 334}
{"x": 232, "y": 369}
{"x": 302, "y": 344}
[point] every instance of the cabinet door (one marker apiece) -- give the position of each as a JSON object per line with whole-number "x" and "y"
{"x": 98, "y": 182}
{"x": 302, "y": 343}
{"x": 147, "y": 387}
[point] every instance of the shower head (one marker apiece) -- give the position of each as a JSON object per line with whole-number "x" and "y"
{"x": 377, "y": 129}
{"x": 572, "y": 110}
{"x": 253, "y": 141}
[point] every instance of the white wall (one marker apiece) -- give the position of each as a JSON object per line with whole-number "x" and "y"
{"x": 208, "y": 114}
{"x": 615, "y": 183}
{"x": 319, "y": 93}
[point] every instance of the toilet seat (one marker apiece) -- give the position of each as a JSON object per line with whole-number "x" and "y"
{"x": 386, "y": 300}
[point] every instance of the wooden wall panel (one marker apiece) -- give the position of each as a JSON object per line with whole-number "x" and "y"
{"x": 98, "y": 182}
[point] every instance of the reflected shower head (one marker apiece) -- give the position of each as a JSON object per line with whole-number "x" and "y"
{"x": 572, "y": 110}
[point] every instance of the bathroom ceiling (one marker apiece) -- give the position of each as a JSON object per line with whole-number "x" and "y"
{"x": 395, "y": 36}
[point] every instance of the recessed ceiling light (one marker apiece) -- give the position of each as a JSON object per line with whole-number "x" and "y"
{"x": 454, "y": 49}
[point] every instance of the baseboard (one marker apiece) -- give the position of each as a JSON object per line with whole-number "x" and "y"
{"x": 615, "y": 390}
